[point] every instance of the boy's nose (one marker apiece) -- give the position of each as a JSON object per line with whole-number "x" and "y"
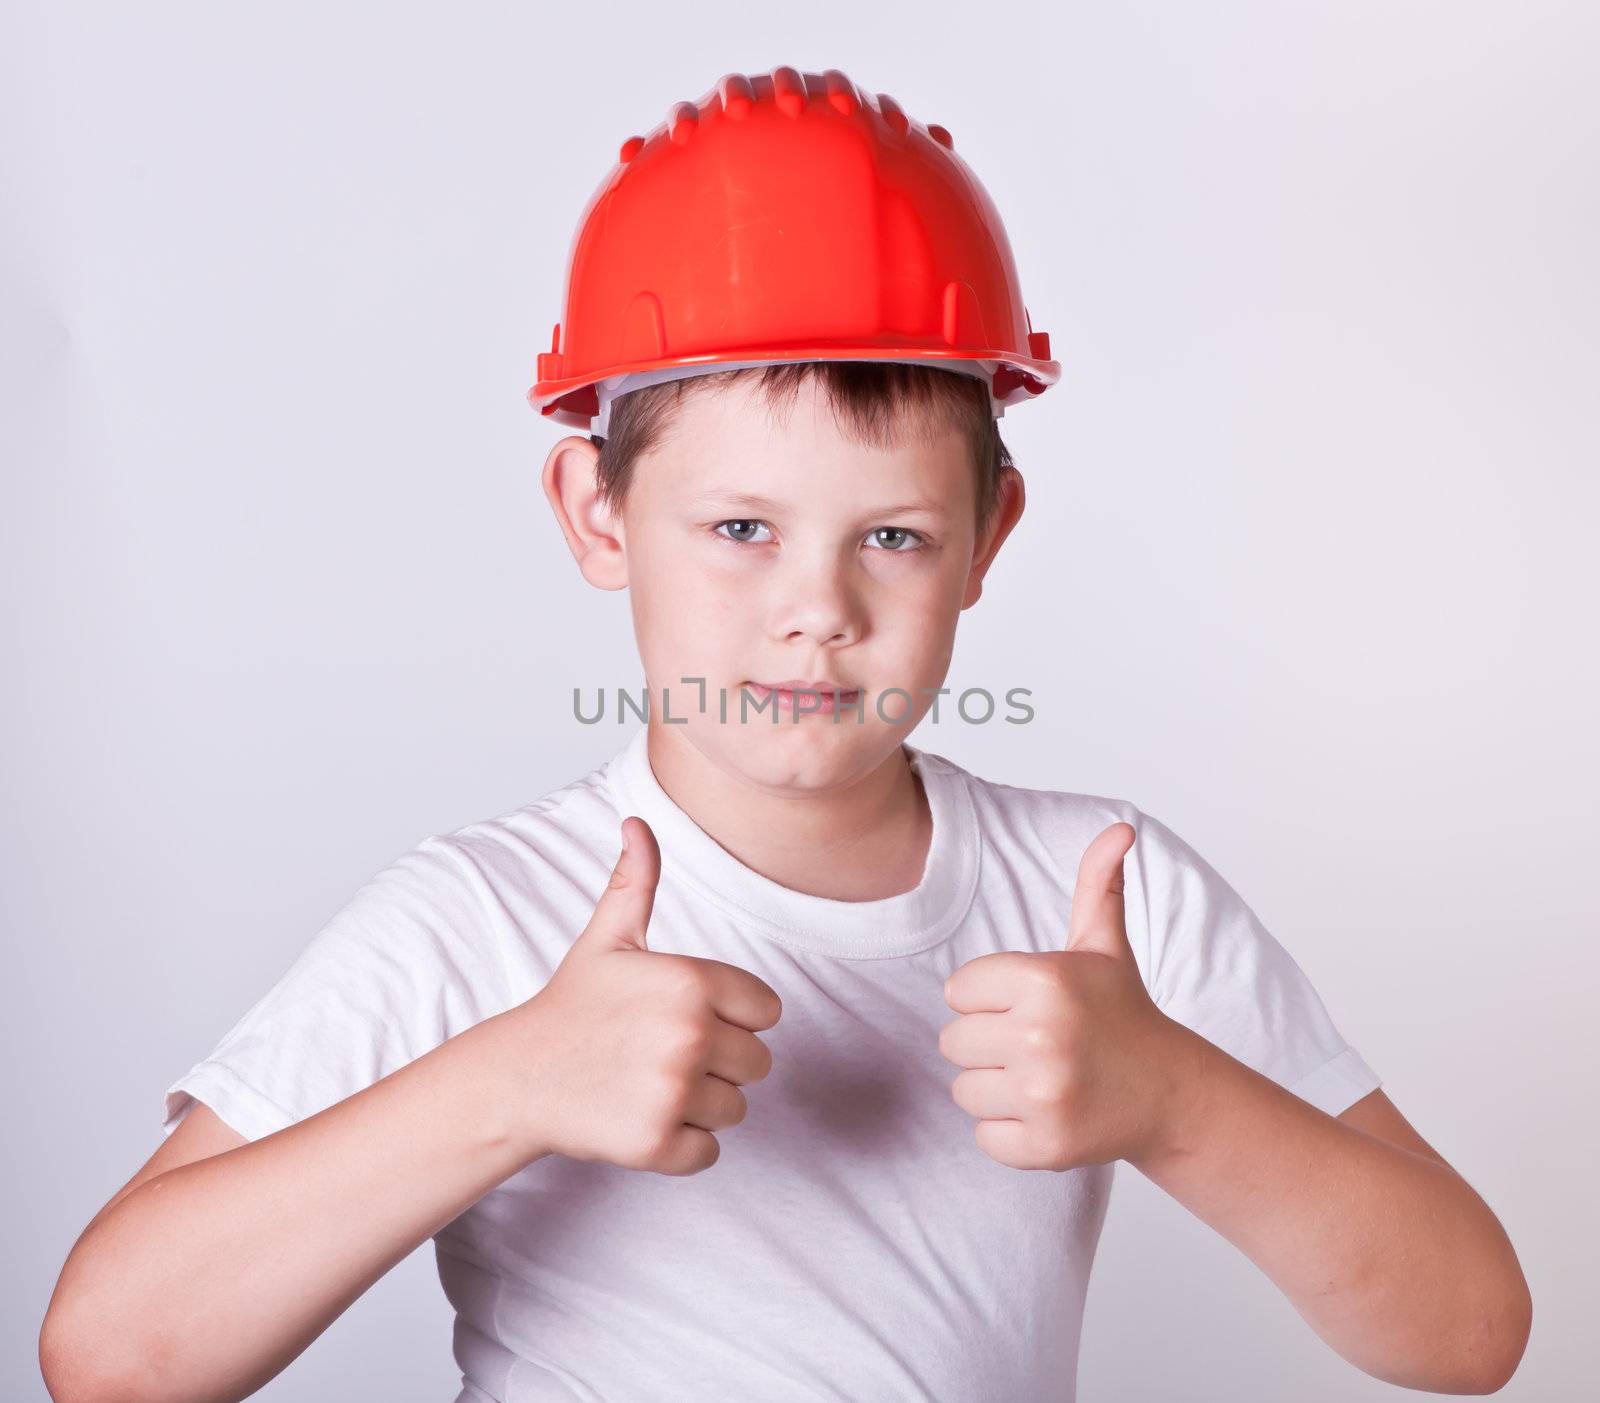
{"x": 818, "y": 604}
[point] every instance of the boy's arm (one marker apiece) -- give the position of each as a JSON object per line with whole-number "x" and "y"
{"x": 1385, "y": 1251}
{"x": 206, "y": 1281}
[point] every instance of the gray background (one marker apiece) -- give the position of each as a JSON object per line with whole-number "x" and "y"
{"x": 1306, "y": 570}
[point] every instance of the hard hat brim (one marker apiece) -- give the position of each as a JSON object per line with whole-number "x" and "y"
{"x": 548, "y": 396}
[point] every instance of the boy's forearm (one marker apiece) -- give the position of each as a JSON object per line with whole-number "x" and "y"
{"x": 208, "y": 1280}
{"x": 1390, "y": 1256}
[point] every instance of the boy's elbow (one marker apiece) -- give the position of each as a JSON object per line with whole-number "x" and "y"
{"x": 72, "y": 1373}
{"x": 1500, "y": 1340}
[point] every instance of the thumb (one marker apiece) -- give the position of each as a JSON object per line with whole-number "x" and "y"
{"x": 623, "y": 911}
{"x": 1098, "y": 919}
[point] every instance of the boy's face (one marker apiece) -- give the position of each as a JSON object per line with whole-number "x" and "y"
{"x": 761, "y": 545}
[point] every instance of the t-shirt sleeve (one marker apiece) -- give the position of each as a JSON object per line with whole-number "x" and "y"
{"x": 407, "y": 963}
{"x": 1211, "y": 965}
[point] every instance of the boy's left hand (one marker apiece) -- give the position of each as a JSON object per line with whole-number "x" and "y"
{"x": 1069, "y": 1060}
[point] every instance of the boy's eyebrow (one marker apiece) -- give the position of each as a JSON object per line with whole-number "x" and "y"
{"x": 765, "y": 504}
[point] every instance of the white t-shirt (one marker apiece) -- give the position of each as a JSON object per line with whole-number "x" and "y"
{"x": 852, "y": 1241}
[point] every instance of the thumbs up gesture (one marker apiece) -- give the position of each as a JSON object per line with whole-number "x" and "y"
{"x": 1068, "y": 1060}
{"x": 632, "y": 1055}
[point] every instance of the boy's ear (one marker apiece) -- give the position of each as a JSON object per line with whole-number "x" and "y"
{"x": 594, "y": 533}
{"x": 1007, "y": 512}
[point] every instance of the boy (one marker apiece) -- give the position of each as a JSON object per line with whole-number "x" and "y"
{"x": 792, "y": 322}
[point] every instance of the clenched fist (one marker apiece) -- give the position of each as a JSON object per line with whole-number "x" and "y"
{"x": 1069, "y": 1061}
{"x": 633, "y": 1056}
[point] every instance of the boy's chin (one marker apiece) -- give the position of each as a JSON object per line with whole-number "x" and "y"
{"x": 812, "y": 752}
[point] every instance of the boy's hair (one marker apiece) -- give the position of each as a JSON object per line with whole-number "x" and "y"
{"x": 874, "y": 401}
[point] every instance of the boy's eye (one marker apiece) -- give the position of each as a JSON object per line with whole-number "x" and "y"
{"x": 742, "y": 527}
{"x": 898, "y": 535}
{"x": 896, "y": 544}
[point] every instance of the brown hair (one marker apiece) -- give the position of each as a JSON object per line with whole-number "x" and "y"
{"x": 873, "y": 401}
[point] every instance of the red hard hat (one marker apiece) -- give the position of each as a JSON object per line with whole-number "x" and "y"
{"x": 788, "y": 216}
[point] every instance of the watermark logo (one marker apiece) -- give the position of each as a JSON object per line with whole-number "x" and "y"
{"x": 976, "y": 706}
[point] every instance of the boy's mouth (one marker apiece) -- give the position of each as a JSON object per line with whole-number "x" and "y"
{"x": 796, "y": 695}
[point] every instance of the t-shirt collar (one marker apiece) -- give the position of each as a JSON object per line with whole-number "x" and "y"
{"x": 895, "y": 925}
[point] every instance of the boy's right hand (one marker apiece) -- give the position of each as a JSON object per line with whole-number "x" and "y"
{"x": 637, "y": 1056}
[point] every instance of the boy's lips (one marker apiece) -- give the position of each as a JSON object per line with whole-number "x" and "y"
{"x": 796, "y": 684}
{"x": 805, "y": 698}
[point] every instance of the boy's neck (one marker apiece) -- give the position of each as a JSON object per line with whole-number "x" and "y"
{"x": 862, "y": 843}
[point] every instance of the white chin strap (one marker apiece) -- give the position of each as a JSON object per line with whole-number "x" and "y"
{"x": 619, "y": 385}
